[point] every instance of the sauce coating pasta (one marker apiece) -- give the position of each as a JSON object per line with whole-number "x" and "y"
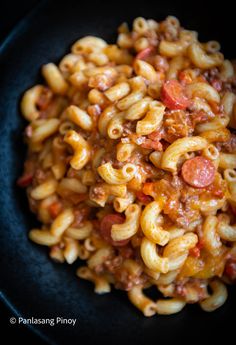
{"x": 131, "y": 164}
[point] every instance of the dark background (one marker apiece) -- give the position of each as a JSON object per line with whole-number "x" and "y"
{"x": 10, "y": 15}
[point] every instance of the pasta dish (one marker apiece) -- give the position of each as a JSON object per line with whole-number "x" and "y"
{"x": 131, "y": 164}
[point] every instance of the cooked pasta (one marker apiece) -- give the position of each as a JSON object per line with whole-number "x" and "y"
{"x": 131, "y": 164}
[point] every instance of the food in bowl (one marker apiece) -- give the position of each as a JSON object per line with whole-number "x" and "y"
{"x": 131, "y": 164}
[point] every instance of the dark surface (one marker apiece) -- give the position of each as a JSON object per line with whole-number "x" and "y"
{"x": 33, "y": 285}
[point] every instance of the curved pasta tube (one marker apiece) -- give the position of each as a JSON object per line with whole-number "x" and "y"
{"x": 227, "y": 232}
{"x": 117, "y": 92}
{"x": 142, "y": 302}
{"x": 227, "y": 160}
{"x": 211, "y": 238}
{"x": 209, "y": 207}
{"x": 145, "y": 70}
{"x": 152, "y": 120}
{"x": 80, "y": 233}
{"x": 121, "y": 204}
{"x": 199, "y": 104}
{"x": 177, "y": 249}
{"x": 228, "y": 101}
{"x": 117, "y": 176}
{"x": 79, "y": 117}
{"x": 100, "y": 193}
{"x": 203, "y": 90}
{"x": 217, "y": 124}
{"x": 120, "y": 232}
{"x": 44, "y": 130}
{"x": 62, "y": 222}
{"x": 88, "y": 44}
{"x": 218, "y": 297}
{"x": 169, "y": 306}
{"x": 230, "y": 177}
{"x": 171, "y": 49}
{"x": 179, "y": 245}
{"x": 100, "y": 282}
{"x": 29, "y": 102}
{"x": 203, "y": 60}
{"x": 43, "y": 237}
{"x": 138, "y": 109}
{"x": 71, "y": 250}
{"x": 72, "y": 184}
{"x": 151, "y": 258}
{"x": 82, "y": 151}
{"x": 99, "y": 257}
{"x": 212, "y": 153}
{"x": 115, "y": 127}
{"x": 104, "y": 119}
{"x": 151, "y": 229}
{"x": 139, "y": 88}
{"x": 155, "y": 157}
{"x": 175, "y": 65}
{"x": 44, "y": 189}
{"x": 178, "y": 148}
{"x": 212, "y": 136}
{"x": 167, "y": 278}
{"x": 54, "y": 78}
{"x": 226, "y": 70}
{"x": 124, "y": 151}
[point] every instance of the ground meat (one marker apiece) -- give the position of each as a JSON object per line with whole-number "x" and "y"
{"x": 193, "y": 290}
{"x": 177, "y": 124}
{"x": 129, "y": 128}
{"x": 81, "y": 214}
{"x": 211, "y": 74}
{"x": 229, "y": 145}
{"x": 126, "y": 281}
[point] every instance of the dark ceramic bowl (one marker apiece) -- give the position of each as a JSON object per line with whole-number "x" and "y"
{"x": 31, "y": 284}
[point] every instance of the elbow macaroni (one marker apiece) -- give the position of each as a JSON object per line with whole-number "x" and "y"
{"x": 132, "y": 164}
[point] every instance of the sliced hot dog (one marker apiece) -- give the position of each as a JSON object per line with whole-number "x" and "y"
{"x": 173, "y": 96}
{"x": 145, "y": 53}
{"x": 106, "y": 225}
{"x": 198, "y": 172}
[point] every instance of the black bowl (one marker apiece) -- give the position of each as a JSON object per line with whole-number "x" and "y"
{"x": 33, "y": 285}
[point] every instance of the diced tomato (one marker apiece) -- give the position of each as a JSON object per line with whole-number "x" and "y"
{"x": 143, "y": 198}
{"x": 80, "y": 214}
{"x": 145, "y": 53}
{"x": 148, "y": 188}
{"x": 151, "y": 145}
{"x": 156, "y": 135}
{"x": 195, "y": 252}
{"x": 173, "y": 95}
{"x": 198, "y": 172}
{"x": 230, "y": 269}
{"x": 25, "y": 180}
{"x": 214, "y": 106}
{"x": 200, "y": 244}
{"x": 106, "y": 225}
{"x": 54, "y": 209}
{"x": 185, "y": 78}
